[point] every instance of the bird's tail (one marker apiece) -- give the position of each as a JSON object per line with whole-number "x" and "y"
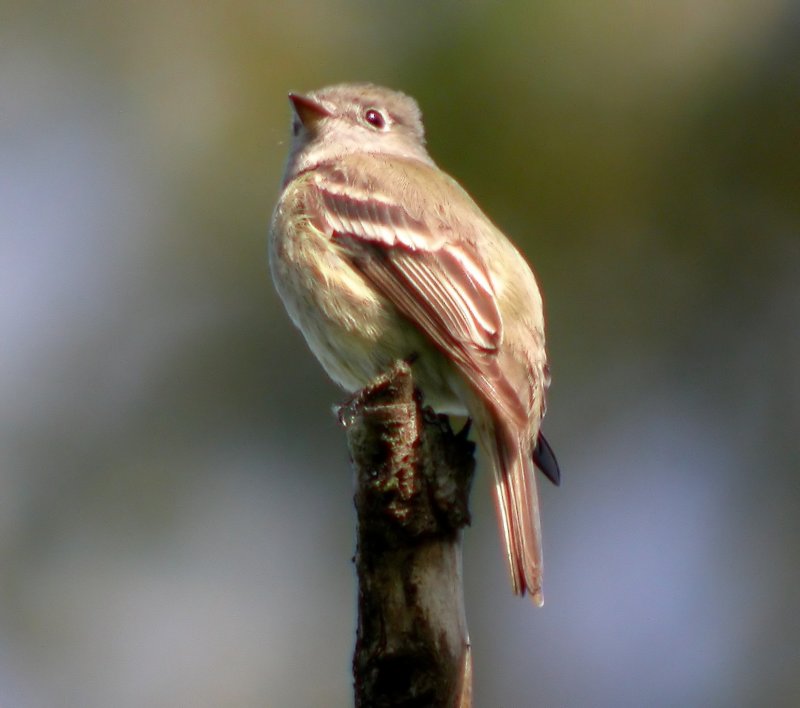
{"x": 517, "y": 504}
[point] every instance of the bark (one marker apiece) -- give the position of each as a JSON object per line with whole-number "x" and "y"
{"x": 413, "y": 477}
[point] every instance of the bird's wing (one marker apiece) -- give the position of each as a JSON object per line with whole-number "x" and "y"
{"x": 545, "y": 459}
{"x": 430, "y": 272}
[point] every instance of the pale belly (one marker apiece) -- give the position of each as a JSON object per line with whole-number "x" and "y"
{"x": 355, "y": 333}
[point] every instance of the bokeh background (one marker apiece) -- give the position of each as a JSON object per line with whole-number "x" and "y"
{"x": 176, "y": 520}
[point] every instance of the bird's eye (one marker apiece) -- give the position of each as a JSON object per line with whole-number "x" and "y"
{"x": 296, "y": 125}
{"x": 375, "y": 118}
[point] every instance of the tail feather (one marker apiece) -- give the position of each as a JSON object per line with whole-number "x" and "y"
{"x": 518, "y": 510}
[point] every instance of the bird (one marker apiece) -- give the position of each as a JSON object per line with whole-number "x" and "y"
{"x": 378, "y": 255}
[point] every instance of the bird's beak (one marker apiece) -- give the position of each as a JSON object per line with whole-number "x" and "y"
{"x": 308, "y": 110}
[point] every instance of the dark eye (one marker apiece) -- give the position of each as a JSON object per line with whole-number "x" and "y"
{"x": 375, "y": 118}
{"x": 296, "y": 125}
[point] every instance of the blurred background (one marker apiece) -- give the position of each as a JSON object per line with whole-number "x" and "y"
{"x": 176, "y": 520}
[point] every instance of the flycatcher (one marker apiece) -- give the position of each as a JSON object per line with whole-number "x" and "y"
{"x": 378, "y": 255}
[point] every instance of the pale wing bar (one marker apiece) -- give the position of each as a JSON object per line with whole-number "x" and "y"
{"x": 445, "y": 291}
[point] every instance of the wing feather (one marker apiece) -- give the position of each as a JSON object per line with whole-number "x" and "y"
{"x": 438, "y": 283}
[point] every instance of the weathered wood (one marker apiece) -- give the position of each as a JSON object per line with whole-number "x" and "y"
{"x": 413, "y": 477}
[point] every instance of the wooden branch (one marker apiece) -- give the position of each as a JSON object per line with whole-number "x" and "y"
{"x": 413, "y": 477}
